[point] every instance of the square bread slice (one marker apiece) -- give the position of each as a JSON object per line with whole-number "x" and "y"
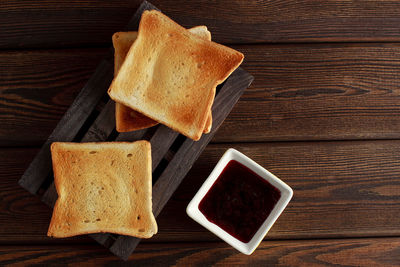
{"x": 126, "y": 118}
{"x": 102, "y": 187}
{"x": 170, "y": 74}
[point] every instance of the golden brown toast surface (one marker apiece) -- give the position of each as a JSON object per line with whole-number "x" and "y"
{"x": 126, "y": 118}
{"x": 102, "y": 187}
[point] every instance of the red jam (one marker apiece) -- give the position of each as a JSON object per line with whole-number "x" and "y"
{"x": 239, "y": 201}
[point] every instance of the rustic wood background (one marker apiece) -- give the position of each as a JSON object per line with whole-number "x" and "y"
{"x": 323, "y": 114}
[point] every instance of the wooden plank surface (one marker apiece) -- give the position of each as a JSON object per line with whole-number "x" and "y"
{"x": 318, "y": 92}
{"x": 300, "y": 92}
{"x": 37, "y": 87}
{"x": 342, "y": 189}
{"x": 309, "y": 86}
{"x": 81, "y": 118}
{"x": 334, "y": 252}
{"x": 44, "y": 24}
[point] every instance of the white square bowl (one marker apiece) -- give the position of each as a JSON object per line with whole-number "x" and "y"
{"x": 286, "y": 194}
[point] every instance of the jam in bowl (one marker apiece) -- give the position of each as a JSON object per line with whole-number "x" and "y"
{"x": 239, "y": 201}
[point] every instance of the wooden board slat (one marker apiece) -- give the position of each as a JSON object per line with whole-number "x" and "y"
{"x": 42, "y": 24}
{"x": 341, "y": 189}
{"x": 161, "y": 141}
{"x": 103, "y": 126}
{"x": 337, "y": 252}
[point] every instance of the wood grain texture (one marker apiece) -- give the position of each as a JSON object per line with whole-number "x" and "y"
{"x": 37, "y": 87}
{"x": 44, "y": 24}
{"x": 161, "y": 141}
{"x": 341, "y": 189}
{"x": 336, "y": 252}
{"x": 40, "y": 24}
{"x": 318, "y": 92}
{"x": 300, "y": 92}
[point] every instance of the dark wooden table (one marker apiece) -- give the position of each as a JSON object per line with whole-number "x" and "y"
{"x": 323, "y": 114}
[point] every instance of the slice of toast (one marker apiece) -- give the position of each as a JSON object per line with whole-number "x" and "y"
{"x": 102, "y": 187}
{"x": 126, "y": 118}
{"x": 170, "y": 74}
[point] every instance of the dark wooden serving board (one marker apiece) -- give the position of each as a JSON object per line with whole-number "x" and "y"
{"x": 91, "y": 119}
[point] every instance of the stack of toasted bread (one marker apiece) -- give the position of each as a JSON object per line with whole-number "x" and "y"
{"x": 164, "y": 73}
{"x": 167, "y": 74}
